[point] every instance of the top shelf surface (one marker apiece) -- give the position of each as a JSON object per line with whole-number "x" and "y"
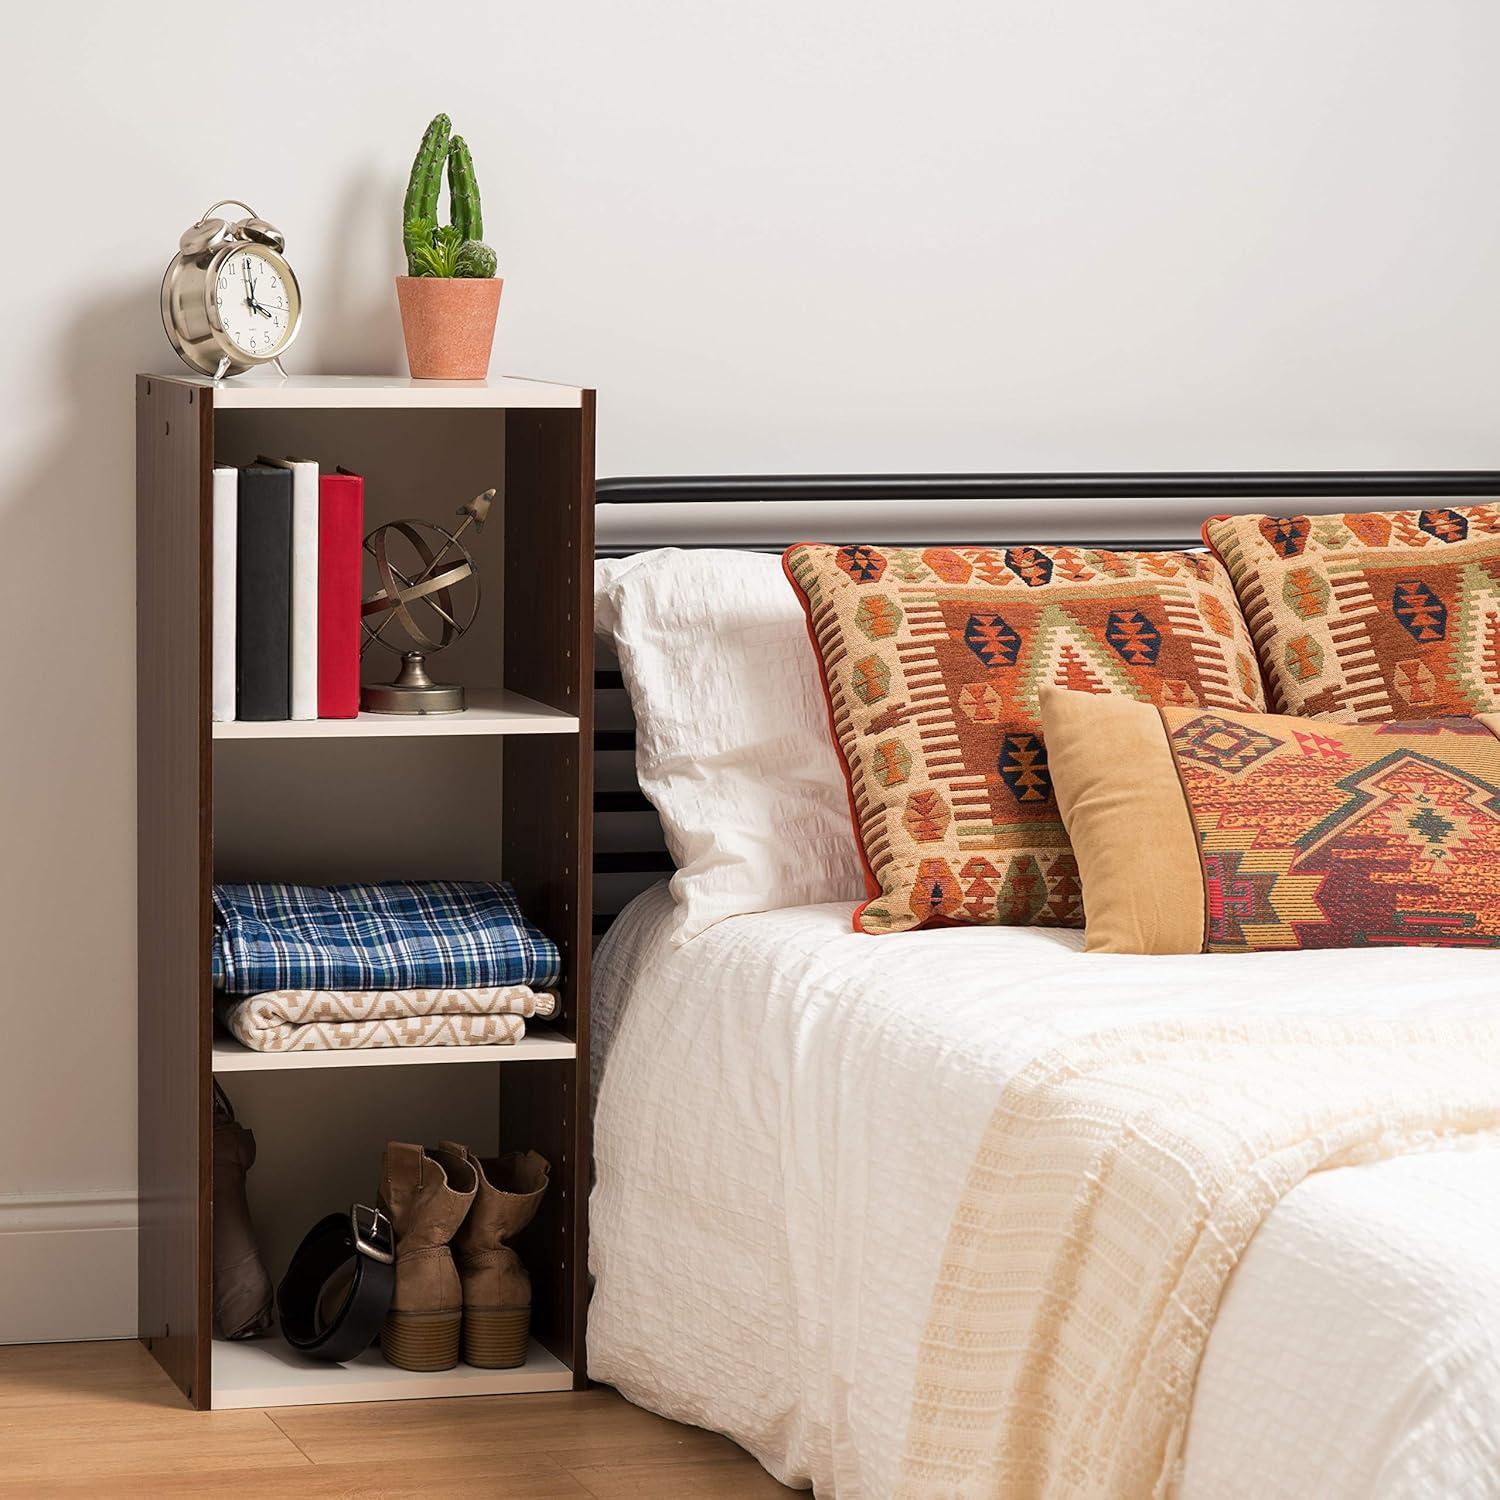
{"x": 262, "y": 390}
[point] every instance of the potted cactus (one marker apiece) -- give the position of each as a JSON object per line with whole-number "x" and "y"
{"x": 450, "y": 295}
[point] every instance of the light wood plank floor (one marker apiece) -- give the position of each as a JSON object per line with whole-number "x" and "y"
{"x": 102, "y": 1420}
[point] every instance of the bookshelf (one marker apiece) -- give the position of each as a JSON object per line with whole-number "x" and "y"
{"x": 502, "y": 789}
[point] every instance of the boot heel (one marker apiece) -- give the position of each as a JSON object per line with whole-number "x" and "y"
{"x": 421, "y": 1341}
{"x": 497, "y": 1340}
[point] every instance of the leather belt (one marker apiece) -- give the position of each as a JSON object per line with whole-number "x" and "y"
{"x": 337, "y": 1290}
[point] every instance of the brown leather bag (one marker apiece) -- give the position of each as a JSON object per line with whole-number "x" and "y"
{"x": 242, "y": 1290}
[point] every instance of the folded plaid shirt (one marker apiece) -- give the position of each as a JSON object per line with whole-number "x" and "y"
{"x": 397, "y": 935}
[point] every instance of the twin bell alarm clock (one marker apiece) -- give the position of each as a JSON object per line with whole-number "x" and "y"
{"x": 229, "y": 301}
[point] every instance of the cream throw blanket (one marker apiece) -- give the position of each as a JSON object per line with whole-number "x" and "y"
{"x": 336, "y": 1020}
{"x": 1114, "y": 1189}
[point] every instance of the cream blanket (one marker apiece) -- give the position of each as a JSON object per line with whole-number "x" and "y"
{"x": 1119, "y": 1180}
{"x": 336, "y": 1020}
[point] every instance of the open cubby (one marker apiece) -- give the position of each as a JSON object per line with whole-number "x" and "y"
{"x": 499, "y": 790}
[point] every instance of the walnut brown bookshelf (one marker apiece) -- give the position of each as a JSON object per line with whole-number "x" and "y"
{"x": 501, "y": 789}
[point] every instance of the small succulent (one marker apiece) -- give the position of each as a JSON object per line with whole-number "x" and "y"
{"x": 433, "y": 249}
{"x": 447, "y": 250}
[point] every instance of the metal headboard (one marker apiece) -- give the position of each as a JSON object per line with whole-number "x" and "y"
{"x": 767, "y": 513}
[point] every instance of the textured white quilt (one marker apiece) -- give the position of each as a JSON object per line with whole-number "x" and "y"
{"x": 786, "y": 1114}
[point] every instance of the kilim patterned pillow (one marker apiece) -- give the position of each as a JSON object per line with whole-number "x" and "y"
{"x": 1374, "y": 615}
{"x": 1214, "y": 832}
{"x": 934, "y": 659}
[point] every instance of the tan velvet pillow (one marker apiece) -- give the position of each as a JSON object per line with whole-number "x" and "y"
{"x": 933, "y": 659}
{"x": 1371, "y": 615}
{"x": 1211, "y": 831}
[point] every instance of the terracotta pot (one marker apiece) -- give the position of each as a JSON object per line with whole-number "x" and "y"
{"x": 449, "y": 325}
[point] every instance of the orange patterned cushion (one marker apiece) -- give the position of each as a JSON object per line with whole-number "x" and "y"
{"x": 934, "y": 659}
{"x": 1371, "y": 615}
{"x": 1233, "y": 832}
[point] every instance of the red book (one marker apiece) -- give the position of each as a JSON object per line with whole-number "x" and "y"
{"x": 341, "y": 516}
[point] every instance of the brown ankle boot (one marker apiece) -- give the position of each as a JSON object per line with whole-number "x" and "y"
{"x": 496, "y": 1288}
{"x": 242, "y": 1290}
{"x": 425, "y": 1194}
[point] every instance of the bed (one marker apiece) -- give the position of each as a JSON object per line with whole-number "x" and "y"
{"x": 787, "y": 1112}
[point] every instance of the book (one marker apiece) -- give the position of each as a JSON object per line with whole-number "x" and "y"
{"x": 263, "y": 602}
{"x": 304, "y": 644}
{"x": 226, "y": 534}
{"x": 341, "y": 529}
{"x": 304, "y": 626}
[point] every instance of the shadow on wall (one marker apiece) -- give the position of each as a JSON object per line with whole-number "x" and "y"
{"x": 354, "y": 325}
{"x": 67, "y": 879}
{"x": 67, "y": 530}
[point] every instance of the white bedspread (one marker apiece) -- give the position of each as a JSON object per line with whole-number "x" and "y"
{"x": 785, "y": 1118}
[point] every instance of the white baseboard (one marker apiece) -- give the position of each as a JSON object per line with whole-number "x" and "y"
{"x": 67, "y": 1267}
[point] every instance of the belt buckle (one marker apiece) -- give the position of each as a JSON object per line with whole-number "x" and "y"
{"x": 379, "y": 1237}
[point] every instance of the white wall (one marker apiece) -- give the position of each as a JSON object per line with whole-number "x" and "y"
{"x": 777, "y": 236}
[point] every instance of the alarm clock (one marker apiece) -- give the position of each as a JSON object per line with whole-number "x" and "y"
{"x": 229, "y": 301}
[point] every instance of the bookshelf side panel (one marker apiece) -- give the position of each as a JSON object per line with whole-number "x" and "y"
{"x": 174, "y": 455}
{"x": 547, "y": 818}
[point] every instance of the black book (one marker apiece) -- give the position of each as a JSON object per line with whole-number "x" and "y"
{"x": 263, "y": 676}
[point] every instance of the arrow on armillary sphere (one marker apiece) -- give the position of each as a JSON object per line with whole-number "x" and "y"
{"x": 429, "y": 584}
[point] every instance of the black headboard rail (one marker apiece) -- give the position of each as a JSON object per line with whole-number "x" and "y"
{"x": 766, "y": 512}
{"x": 699, "y": 489}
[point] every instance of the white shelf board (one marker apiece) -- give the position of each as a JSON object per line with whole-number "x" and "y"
{"x": 230, "y": 1056}
{"x": 261, "y": 389}
{"x": 487, "y": 713}
{"x": 268, "y": 1372}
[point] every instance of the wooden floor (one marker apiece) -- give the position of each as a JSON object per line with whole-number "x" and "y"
{"x": 102, "y": 1420}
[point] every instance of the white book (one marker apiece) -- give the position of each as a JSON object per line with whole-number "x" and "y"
{"x": 225, "y": 593}
{"x": 303, "y": 634}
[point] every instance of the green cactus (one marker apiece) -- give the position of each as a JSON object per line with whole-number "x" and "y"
{"x": 425, "y": 182}
{"x": 475, "y": 261}
{"x": 463, "y": 190}
{"x": 444, "y": 250}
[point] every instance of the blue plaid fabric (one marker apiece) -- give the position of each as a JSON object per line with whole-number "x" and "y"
{"x": 397, "y": 935}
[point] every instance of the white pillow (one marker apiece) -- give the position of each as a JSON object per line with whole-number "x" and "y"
{"x": 733, "y": 746}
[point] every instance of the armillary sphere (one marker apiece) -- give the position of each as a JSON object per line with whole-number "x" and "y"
{"x": 427, "y": 589}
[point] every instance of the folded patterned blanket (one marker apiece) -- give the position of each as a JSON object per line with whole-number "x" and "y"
{"x": 336, "y": 1020}
{"x": 395, "y": 935}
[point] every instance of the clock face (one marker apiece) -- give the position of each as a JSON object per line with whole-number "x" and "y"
{"x": 255, "y": 304}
